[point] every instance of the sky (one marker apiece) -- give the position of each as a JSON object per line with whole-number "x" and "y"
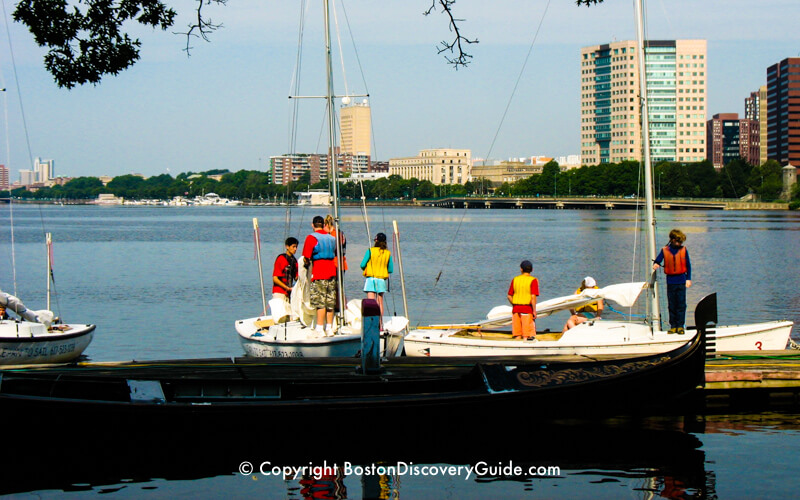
{"x": 227, "y": 106}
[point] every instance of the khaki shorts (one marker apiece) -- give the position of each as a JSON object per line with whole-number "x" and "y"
{"x": 323, "y": 294}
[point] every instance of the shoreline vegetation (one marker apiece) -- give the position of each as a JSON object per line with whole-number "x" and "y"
{"x": 737, "y": 182}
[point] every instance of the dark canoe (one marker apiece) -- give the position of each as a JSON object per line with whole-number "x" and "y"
{"x": 179, "y": 394}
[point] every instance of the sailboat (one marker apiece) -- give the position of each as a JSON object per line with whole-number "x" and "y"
{"x": 291, "y": 333}
{"x": 600, "y": 336}
{"x": 30, "y": 337}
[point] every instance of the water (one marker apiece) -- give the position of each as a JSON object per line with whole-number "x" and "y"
{"x": 164, "y": 283}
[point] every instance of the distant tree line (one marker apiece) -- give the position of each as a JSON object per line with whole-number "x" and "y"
{"x": 671, "y": 180}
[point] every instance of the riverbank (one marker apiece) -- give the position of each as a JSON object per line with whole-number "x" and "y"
{"x": 494, "y": 202}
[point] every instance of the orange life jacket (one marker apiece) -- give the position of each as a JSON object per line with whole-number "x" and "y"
{"x": 674, "y": 264}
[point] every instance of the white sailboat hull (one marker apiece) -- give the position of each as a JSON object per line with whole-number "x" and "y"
{"x": 595, "y": 338}
{"x": 24, "y": 342}
{"x": 294, "y": 340}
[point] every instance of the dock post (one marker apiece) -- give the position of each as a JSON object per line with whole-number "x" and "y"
{"x": 370, "y": 336}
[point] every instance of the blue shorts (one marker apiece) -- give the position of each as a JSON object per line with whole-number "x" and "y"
{"x": 588, "y": 315}
{"x": 376, "y": 285}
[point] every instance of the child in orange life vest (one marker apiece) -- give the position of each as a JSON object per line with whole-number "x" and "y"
{"x": 522, "y": 294}
{"x": 678, "y": 269}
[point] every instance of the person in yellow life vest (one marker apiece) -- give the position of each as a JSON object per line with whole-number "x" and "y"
{"x": 592, "y": 310}
{"x": 522, "y": 294}
{"x": 377, "y": 265}
{"x": 678, "y": 269}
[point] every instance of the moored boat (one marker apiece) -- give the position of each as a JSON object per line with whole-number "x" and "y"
{"x": 33, "y": 339}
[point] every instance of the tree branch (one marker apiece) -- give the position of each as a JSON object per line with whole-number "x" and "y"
{"x": 456, "y": 46}
{"x": 202, "y": 27}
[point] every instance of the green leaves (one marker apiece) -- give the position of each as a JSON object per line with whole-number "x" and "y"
{"x": 85, "y": 37}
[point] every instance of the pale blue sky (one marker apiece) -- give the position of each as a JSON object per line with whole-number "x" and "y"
{"x": 226, "y": 106}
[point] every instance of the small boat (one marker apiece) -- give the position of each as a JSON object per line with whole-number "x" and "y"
{"x": 290, "y": 334}
{"x": 213, "y": 199}
{"x": 182, "y": 394}
{"x": 34, "y": 339}
{"x": 492, "y": 337}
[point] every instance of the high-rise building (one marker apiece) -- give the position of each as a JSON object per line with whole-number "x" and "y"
{"x": 290, "y": 167}
{"x": 356, "y": 129}
{"x": 44, "y": 169}
{"x": 440, "y": 166}
{"x": 676, "y": 83}
{"x": 755, "y": 121}
{"x": 722, "y": 138}
{"x": 4, "y": 182}
{"x": 783, "y": 111}
{"x": 27, "y": 177}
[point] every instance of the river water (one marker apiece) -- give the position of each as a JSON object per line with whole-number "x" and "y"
{"x": 169, "y": 282}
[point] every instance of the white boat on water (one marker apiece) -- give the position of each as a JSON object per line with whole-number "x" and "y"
{"x": 213, "y": 199}
{"x": 32, "y": 337}
{"x": 492, "y": 337}
{"x": 291, "y": 334}
{"x": 598, "y": 336}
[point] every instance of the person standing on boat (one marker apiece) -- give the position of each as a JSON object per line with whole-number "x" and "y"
{"x": 678, "y": 269}
{"x": 377, "y": 265}
{"x": 522, "y": 294}
{"x": 592, "y": 310}
{"x": 330, "y": 228}
{"x": 320, "y": 249}
{"x": 3, "y": 313}
{"x": 284, "y": 273}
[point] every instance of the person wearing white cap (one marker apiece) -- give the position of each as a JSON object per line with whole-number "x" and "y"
{"x": 592, "y": 310}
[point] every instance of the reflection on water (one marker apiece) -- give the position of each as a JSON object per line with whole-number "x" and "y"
{"x": 696, "y": 457}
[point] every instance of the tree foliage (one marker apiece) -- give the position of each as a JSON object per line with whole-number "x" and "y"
{"x": 85, "y": 38}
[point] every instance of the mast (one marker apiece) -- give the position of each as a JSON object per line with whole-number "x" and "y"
{"x": 650, "y": 223}
{"x": 333, "y": 165}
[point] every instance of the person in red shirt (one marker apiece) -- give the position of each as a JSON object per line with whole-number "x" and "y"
{"x": 522, "y": 294}
{"x": 284, "y": 272}
{"x": 319, "y": 249}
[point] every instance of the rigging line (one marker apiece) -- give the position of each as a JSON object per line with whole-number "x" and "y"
{"x": 444, "y": 262}
{"x": 8, "y": 163}
{"x": 519, "y": 78}
{"x": 339, "y": 41}
{"x": 294, "y": 86}
{"x": 363, "y": 78}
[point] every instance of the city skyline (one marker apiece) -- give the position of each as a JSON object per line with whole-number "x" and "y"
{"x": 226, "y": 106}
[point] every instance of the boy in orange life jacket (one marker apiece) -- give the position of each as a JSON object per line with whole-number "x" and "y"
{"x": 678, "y": 269}
{"x": 522, "y": 294}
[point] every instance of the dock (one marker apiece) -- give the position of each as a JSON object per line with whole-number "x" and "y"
{"x": 751, "y": 380}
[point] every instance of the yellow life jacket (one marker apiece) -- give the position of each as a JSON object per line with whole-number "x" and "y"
{"x": 591, "y": 307}
{"x": 378, "y": 264}
{"x": 522, "y": 290}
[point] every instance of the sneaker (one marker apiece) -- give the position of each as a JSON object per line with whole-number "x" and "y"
{"x": 681, "y": 331}
{"x": 672, "y": 330}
